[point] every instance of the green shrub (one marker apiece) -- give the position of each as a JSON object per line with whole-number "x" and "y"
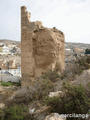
{"x": 16, "y": 112}
{"x": 51, "y": 75}
{"x": 88, "y": 85}
{"x": 84, "y": 62}
{"x": 1, "y": 114}
{"x": 42, "y": 88}
{"x": 36, "y": 91}
{"x": 78, "y": 66}
{"x": 10, "y": 84}
{"x": 75, "y": 100}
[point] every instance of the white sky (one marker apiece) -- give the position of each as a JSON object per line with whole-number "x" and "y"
{"x": 70, "y": 16}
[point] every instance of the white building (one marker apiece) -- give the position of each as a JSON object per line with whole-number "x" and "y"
{"x": 14, "y": 72}
{"x": 5, "y": 50}
{"x": 1, "y": 44}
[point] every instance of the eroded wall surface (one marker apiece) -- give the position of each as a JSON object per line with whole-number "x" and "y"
{"x": 42, "y": 49}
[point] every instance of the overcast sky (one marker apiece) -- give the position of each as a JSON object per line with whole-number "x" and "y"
{"x": 70, "y": 16}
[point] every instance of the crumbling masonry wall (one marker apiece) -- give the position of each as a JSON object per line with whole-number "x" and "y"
{"x": 42, "y": 49}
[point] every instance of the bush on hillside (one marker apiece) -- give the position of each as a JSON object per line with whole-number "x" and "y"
{"x": 75, "y": 100}
{"x": 10, "y": 84}
{"x": 36, "y": 91}
{"x": 84, "y": 62}
{"x": 78, "y": 66}
{"x": 51, "y": 75}
{"x": 16, "y": 112}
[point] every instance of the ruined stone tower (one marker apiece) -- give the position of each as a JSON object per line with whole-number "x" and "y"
{"x": 42, "y": 49}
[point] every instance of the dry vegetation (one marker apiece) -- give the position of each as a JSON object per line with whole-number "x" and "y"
{"x": 76, "y": 98}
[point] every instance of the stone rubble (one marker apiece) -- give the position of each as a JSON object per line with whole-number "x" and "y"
{"x": 54, "y": 116}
